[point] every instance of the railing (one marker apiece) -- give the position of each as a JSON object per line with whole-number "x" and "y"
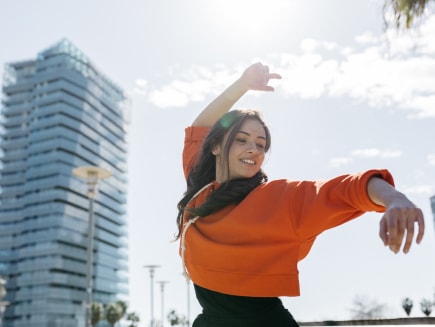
{"x": 412, "y": 321}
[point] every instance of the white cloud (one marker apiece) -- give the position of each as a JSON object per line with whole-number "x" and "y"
{"x": 391, "y": 70}
{"x": 192, "y": 85}
{"x": 367, "y": 38}
{"x": 422, "y": 189}
{"x": 373, "y": 152}
{"x": 426, "y": 103}
{"x": 140, "y": 87}
{"x": 168, "y": 97}
{"x": 310, "y": 45}
{"x": 141, "y": 83}
{"x": 366, "y": 153}
{"x": 391, "y": 154}
{"x": 339, "y": 161}
{"x": 309, "y": 76}
{"x": 431, "y": 159}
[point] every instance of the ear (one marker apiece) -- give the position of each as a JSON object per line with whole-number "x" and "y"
{"x": 216, "y": 150}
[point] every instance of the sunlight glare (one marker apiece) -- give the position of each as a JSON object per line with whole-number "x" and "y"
{"x": 252, "y": 17}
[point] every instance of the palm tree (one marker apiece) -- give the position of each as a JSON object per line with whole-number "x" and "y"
{"x": 176, "y": 319}
{"x": 426, "y": 307}
{"x": 113, "y": 313}
{"x": 123, "y": 307}
{"x": 406, "y": 11}
{"x": 96, "y": 313}
{"x": 407, "y": 305}
{"x": 133, "y": 318}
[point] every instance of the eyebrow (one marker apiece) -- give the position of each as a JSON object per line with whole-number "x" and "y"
{"x": 258, "y": 137}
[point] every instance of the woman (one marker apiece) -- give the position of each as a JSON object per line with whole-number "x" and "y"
{"x": 241, "y": 236}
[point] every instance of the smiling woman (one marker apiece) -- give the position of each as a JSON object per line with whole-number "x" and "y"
{"x": 241, "y": 235}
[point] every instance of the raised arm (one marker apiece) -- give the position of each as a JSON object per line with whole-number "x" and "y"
{"x": 255, "y": 77}
{"x": 399, "y": 218}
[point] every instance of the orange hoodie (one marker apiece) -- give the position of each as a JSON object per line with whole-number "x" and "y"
{"x": 253, "y": 248}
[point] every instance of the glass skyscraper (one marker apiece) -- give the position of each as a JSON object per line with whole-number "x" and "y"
{"x": 432, "y": 202}
{"x": 60, "y": 112}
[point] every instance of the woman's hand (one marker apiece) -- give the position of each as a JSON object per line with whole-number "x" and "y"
{"x": 398, "y": 224}
{"x": 400, "y": 217}
{"x": 256, "y": 77}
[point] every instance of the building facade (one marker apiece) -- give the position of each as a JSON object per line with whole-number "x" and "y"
{"x": 60, "y": 112}
{"x": 432, "y": 203}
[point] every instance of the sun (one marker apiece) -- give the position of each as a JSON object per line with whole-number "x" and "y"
{"x": 251, "y": 17}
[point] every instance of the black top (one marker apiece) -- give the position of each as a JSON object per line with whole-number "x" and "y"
{"x": 238, "y": 311}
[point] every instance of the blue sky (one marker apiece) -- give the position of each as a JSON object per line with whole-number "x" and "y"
{"x": 354, "y": 96}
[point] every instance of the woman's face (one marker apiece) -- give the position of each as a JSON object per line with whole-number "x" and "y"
{"x": 246, "y": 154}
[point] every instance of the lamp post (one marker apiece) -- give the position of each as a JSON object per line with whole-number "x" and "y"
{"x": 162, "y": 290}
{"x": 188, "y": 299}
{"x": 91, "y": 174}
{"x": 188, "y": 302}
{"x": 152, "y": 269}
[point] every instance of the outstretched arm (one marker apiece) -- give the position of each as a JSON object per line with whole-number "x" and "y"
{"x": 255, "y": 77}
{"x": 399, "y": 218}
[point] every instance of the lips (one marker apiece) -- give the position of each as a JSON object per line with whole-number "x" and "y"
{"x": 248, "y": 161}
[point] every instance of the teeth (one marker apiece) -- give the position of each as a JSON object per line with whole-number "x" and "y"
{"x": 251, "y": 162}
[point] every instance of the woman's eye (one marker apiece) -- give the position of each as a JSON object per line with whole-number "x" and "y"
{"x": 260, "y": 146}
{"x": 241, "y": 140}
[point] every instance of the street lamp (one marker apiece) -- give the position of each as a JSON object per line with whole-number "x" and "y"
{"x": 188, "y": 298}
{"x": 152, "y": 268}
{"x": 91, "y": 174}
{"x": 188, "y": 302}
{"x": 162, "y": 290}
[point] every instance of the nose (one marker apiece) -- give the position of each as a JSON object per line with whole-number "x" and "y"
{"x": 251, "y": 148}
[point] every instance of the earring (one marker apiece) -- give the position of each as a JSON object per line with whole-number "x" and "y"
{"x": 215, "y": 151}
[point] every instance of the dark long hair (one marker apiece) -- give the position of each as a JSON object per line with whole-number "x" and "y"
{"x": 204, "y": 171}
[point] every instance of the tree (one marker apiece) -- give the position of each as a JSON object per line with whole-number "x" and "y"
{"x": 406, "y": 12}
{"x": 156, "y": 323}
{"x": 96, "y": 313}
{"x": 426, "y": 307}
{"x": 133, "y": 318}
{"x": 407, "y": 305}
{"x": 3, "y": 291}
{"x": 177, "y": 320}
{"x": 363, "y": 308}
{"x": 113, "y": 313}
{"x": 123, "y": 307}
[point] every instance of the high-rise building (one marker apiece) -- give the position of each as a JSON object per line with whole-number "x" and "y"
{"x": 60, "y": 112}
{"x": 432, "y": 202}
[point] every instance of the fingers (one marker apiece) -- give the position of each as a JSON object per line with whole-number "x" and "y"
{"x": 258, "y": 77}
{"x": 274, "y": 76}
{"x": 268, "y": 76}
{"x": 409, "y": 236}
{"x": 393, "y": 235}
{"x": 420, "y": 224}
{"x": 383, "y": 234}
{"x": 398, "y": 226}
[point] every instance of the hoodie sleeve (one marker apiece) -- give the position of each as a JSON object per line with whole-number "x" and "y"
{"x": 194, "y": 135}
{"x": 322, "y": 205}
